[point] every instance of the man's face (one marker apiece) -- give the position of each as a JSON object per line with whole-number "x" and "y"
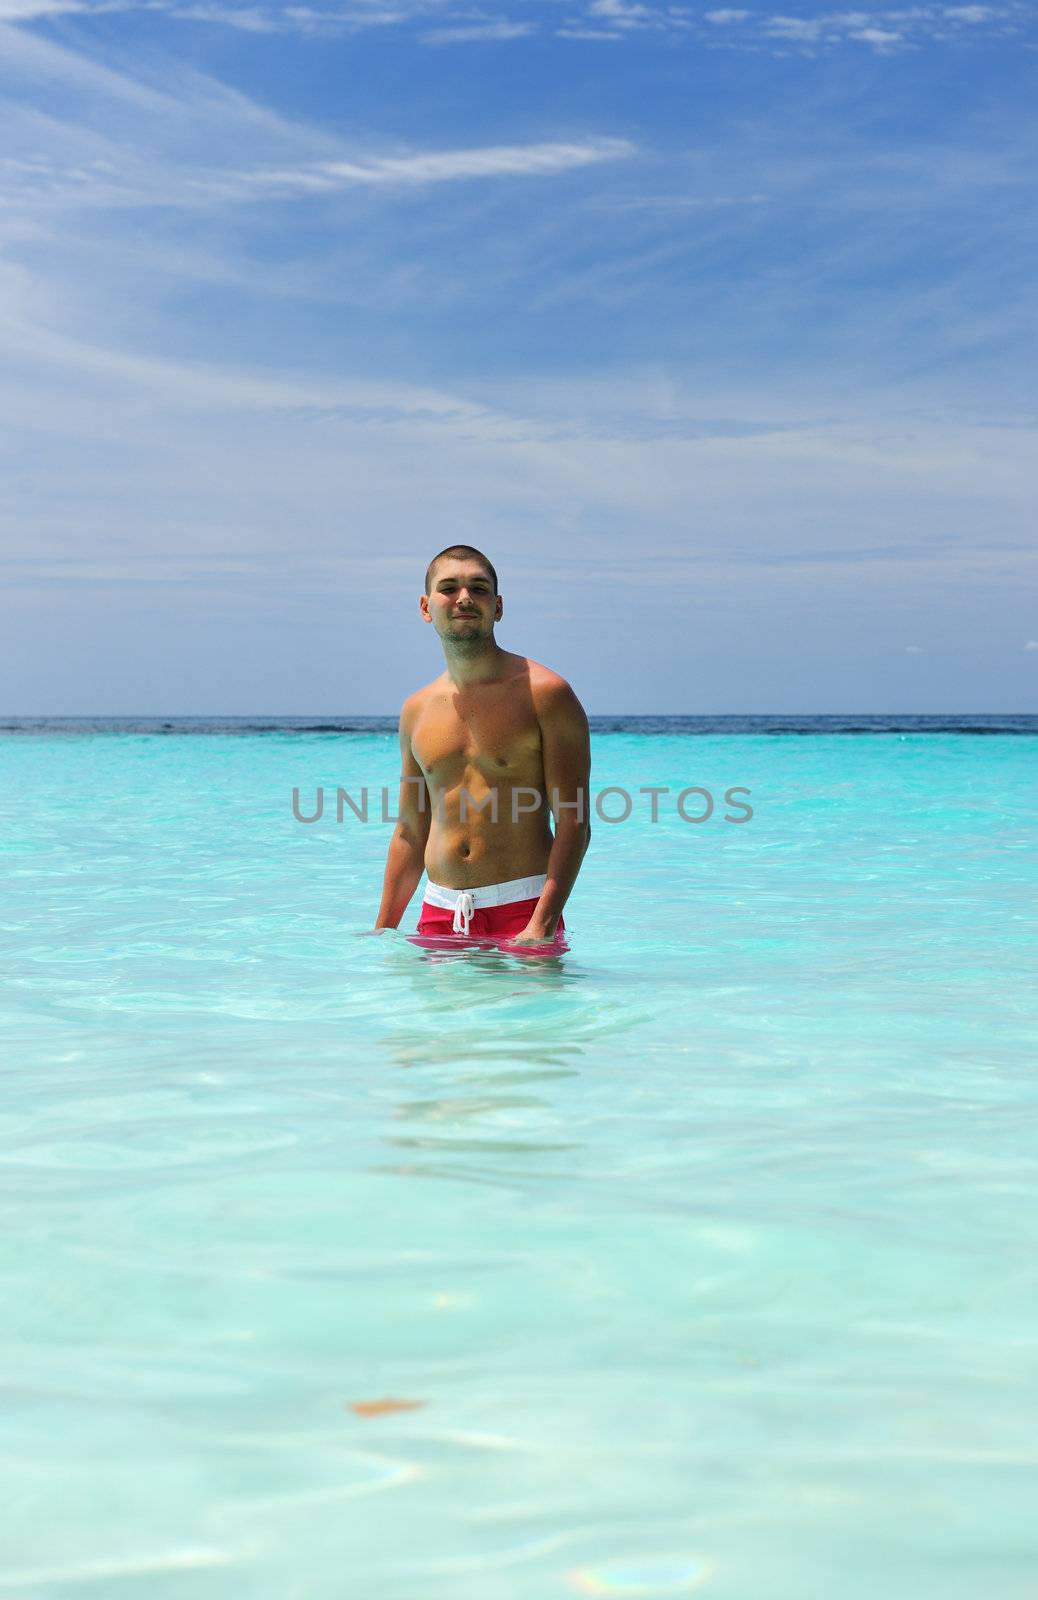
{"x": 461, "y": 604}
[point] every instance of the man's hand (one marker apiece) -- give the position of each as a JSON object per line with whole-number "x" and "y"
{"x": 532, "y": 935}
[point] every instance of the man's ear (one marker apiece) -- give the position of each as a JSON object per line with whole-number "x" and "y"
{"x": 423, "y": 606}
{"x": 499, "y": 609}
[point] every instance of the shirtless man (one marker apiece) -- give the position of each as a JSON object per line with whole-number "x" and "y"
{"x": 491, "y": 752}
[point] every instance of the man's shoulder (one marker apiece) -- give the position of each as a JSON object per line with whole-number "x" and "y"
{"x": 542, "y": 677}
{"x": 416, "y": 702}
{"x": 550, "y": 691}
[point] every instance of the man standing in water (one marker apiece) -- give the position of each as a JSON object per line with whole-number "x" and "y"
{"x": 489, "y": 751}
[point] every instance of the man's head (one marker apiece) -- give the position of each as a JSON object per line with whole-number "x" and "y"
{"x": 461, "y": 599}
{"x": 462, "y": 553}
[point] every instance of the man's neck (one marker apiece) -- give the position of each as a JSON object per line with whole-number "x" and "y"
{"x": 467, "y": 668}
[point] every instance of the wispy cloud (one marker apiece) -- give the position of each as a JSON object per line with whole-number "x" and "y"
{"x": 442, "y": 23}
{"x": 882, "y": 38}
{"x": 31, "y": 10}
{"x": 480, "y": 33}
{"x": 595, "y": 35}
{"x": 178, "y": 141}
{"x": 803, "y": 29}
{"x": 675, "y": 203}
{"x": 971, "y": 14}
{"x": 446, "y": 166}
{"x": 247, "y": 19}
{"x": 621, "y": 13}
{"x": 884, "y": 29}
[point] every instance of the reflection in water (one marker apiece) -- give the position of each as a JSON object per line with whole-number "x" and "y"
{"x": 489, "y": 957}
{"x": 483, "y": 1038}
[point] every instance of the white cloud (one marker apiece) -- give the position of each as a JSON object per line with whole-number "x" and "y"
{"x": 737, "y": 27}
{"x": 245, "y": 18}
{"x": 881, "y": 37}
{"x": 913, "y": 649}
{"x": 194, "y": 143}
{"x": 883, "y": 29}
{"x": 801, "y": 28}
{"x": 970, "y": 13}
{"x": 310, "y": 20}
{"x": 620, "y": 13}
{"x": 676, "y": 202}
{"x": 30, "y": 10}
{"x": 1032, "y": 644}
{"x": 213, "y": 389}
{"x": 445, "y": 166}
{"x": 30, "y": 59}
{"x": 480, "y": 32}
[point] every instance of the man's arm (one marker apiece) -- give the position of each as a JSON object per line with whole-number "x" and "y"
{"x": 566, "y": 751}
{"x": 406, "y": 860}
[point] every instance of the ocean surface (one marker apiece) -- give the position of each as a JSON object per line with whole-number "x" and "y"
{"x": 701, "y": 1259}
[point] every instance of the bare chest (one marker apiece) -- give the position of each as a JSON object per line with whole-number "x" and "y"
{"x": 498, "y": 735}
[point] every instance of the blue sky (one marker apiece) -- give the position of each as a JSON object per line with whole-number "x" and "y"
{"x": 715, "y": 327}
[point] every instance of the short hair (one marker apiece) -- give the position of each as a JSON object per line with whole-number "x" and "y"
{"x": 462, "y": 552}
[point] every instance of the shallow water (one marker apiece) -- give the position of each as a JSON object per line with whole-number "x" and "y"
{"x": 704, "y": 1255}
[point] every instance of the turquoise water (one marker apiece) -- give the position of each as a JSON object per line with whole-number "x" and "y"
{"x": 704, "y": 1255}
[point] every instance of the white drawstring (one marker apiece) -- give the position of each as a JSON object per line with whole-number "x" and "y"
{"x": 465, "y": 902}
{"x": 463, "y": 911}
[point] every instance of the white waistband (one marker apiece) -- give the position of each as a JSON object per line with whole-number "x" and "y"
{"x": 489, "y": 894}
{"x": 463, "y": 902}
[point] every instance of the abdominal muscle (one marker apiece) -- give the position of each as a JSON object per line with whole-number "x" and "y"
{"x": 472, "y": 851}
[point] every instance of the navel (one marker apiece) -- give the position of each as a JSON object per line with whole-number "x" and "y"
{"x": 465, "y": 848}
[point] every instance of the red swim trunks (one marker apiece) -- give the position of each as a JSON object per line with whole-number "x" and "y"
{"x": 495, "y": 913}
